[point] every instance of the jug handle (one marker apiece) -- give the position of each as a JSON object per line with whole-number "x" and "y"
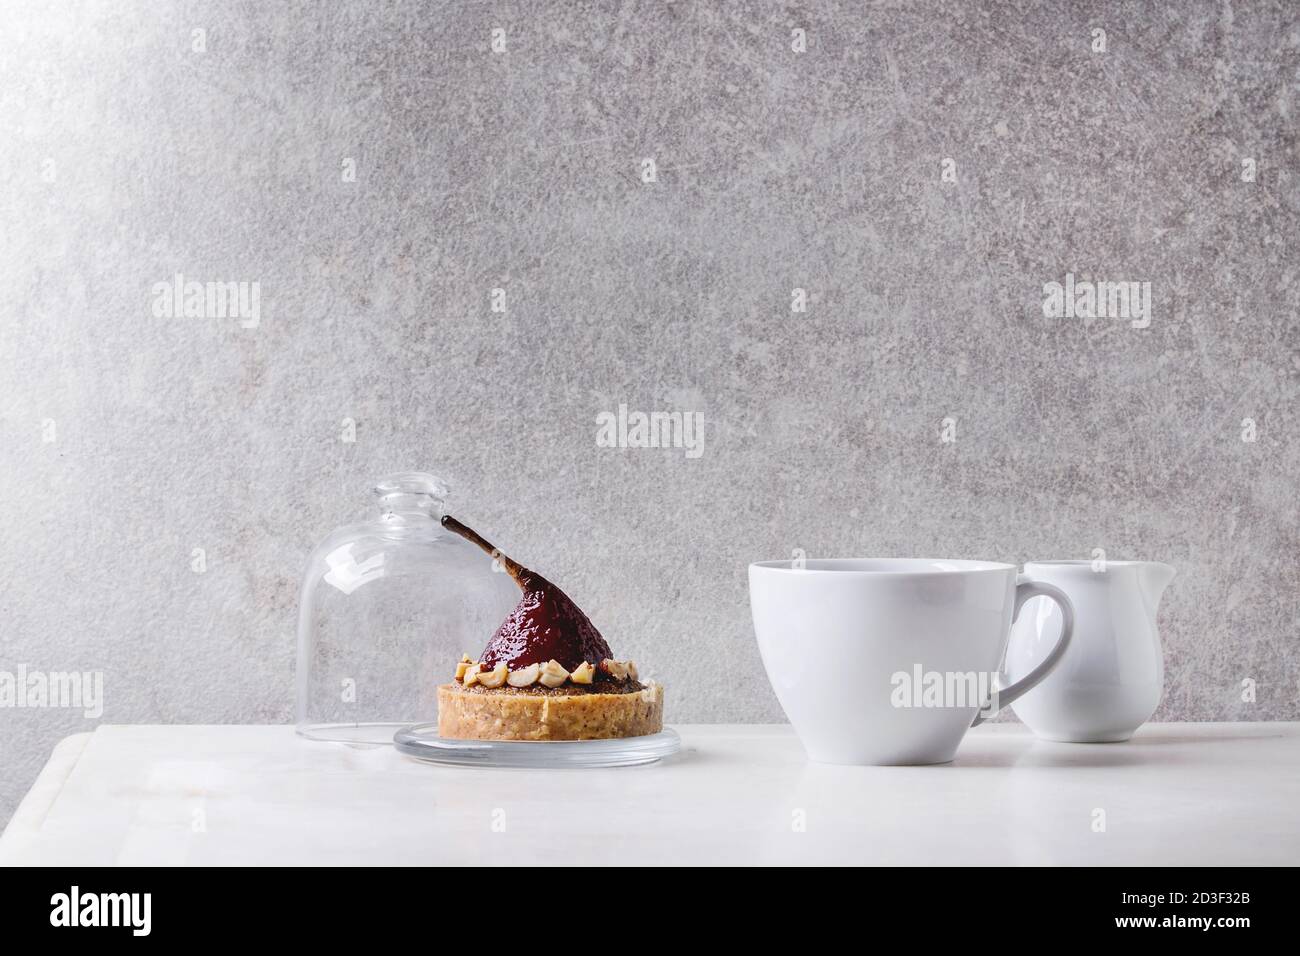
{"x": 1026, "y": 589}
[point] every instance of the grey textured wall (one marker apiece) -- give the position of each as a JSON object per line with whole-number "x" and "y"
{"x": 128, "y": 156}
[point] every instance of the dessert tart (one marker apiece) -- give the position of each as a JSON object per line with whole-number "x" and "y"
{"x": 546, "y": 674}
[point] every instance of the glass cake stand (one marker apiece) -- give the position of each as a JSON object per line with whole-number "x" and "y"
{"x": 422, "y": 742}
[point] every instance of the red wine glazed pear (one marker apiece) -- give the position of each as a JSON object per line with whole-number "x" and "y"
{"x": 545, "y": 624}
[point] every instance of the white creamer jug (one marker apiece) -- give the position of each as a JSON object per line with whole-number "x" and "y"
{"x": 1110, "y": 679}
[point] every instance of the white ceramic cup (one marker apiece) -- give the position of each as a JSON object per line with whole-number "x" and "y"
{"x": 852, "y": 647}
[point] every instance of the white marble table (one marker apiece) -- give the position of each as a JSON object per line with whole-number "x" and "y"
{"x": 1176, "y": 794}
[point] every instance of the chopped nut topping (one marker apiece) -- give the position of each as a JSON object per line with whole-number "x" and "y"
{"x": 553, "y": 674}
{"x": 525, "y": 676}
{"x": 550, "y": 674}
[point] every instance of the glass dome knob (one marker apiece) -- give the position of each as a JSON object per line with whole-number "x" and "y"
{"x": 412, "y": 493}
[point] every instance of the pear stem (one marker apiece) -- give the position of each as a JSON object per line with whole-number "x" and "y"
{"x": 513, "y": 567}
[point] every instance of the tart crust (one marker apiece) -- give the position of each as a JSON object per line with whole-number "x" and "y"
{"x": 510, "y": 713}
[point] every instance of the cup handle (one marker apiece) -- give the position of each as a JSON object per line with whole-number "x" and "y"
{"x": 1026, "y": 589}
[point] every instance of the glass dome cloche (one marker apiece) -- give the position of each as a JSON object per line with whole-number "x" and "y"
{"x": 387, "y": 607}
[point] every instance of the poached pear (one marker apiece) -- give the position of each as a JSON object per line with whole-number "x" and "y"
{"x": 545, "y": 625}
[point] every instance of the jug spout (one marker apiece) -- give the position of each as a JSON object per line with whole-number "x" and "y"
{"x": 1155, "y": 577}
